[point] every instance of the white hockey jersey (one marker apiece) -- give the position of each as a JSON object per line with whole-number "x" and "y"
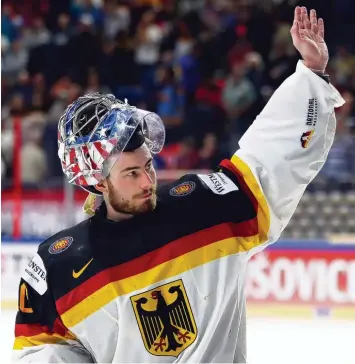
{"x": 169, "y": 286}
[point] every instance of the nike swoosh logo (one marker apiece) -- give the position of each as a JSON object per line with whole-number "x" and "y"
{"x": 81, "y": 271}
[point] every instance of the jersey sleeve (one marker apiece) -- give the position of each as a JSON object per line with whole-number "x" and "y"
{"x": 40, "y": 335}
{"x": 284, "y": 149}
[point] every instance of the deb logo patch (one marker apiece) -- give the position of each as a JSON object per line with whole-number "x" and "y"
{"x": 306, "y": 138}
{"x": 36, "y": 275}
{"x": 218, "y": 183}
{"x": 60, "y": 245}
{"x": 183, "y": 189}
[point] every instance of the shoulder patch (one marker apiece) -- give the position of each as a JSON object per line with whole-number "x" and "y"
{"x": 60, "y": 245}
{"x": 36, "y": 275}
{"x": 218, "y": 183}
{"x": 183, "y": 189}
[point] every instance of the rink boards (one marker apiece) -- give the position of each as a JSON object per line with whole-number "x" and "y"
{"x": 289, "y": 279}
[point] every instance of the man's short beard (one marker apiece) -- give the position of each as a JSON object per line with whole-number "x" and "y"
{"x": 130, "y": 207}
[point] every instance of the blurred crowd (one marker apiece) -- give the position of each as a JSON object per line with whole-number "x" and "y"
{"x": 207, "y": 67}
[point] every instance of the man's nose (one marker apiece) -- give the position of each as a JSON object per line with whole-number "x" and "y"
{"x": 146, "y": 181}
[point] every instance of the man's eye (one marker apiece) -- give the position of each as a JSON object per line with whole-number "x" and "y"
{"x": 148, "y": 167}
{"x": 132, "y": 174}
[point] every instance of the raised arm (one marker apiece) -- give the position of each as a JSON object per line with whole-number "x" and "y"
{"x": 288, "y": 143}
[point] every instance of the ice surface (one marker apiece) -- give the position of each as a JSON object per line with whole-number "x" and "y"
{"x": 295, "y": 341}
{"x": 7, "y": 322}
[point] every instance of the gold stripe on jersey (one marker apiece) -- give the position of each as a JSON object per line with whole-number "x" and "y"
{"x": 263, "y": 213}
{"x": 164, "y": 271}
{"x": 22, "y": 342}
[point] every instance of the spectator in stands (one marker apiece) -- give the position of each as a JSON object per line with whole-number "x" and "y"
{"x": 281, "y": 63}
{"x": 198, "y": 63}
{"x": 14, "y": 62}
{"x": 63, "y": 31}
{"x": 3, "y": 168}
{"x": 119, "y": 70}
{"x": 24, "y": 87}
{"x": 340, "y": 163}
{"x": 183, "y": 43}
{"x": 84, "y": 49}
{"x": 147, "y": 42}
{"x": 187, "y": 156}
{"x": 17, "y": 106}
{"x": 7, "y": 143}
{"x": 63, "y": 92}
{"x": 352, "y": 150}
{"x": 40, "y": 97}
{"x": 87, "y": 11}
{"x": 190, "y": 72}
{"x": 5, "y": 45}
{"x": 343, "y": 63}
{"x": 117, "y": 18}
{"x": 33, "y": 158}
{"x": 93, "y": 83}
{"x": 207, "y": 114}
{"x": 10, "y": 22}
{"x": 37, "y": 35}
{"x": 169, "y": 97}
{"x": 238, "y": 97}
{"x": 255, "y": 68}
{"x": 208, "y": 153}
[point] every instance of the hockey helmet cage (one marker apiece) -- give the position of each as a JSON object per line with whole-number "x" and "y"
{"x": 95, "y": 129}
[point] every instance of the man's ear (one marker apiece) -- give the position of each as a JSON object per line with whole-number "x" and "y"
{"x": 102, "y": 186}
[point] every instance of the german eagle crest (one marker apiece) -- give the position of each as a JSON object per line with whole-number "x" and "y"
{"x": 165, "y": 319}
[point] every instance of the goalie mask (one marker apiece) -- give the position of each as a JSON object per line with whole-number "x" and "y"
{"x": 95, "y": 129}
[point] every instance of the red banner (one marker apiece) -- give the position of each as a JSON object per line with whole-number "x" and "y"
{"x": 321, "y": 278}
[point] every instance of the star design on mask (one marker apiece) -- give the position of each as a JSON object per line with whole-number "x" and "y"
{"x": 72, "y": 137}
{"x": 102, "y": 132}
